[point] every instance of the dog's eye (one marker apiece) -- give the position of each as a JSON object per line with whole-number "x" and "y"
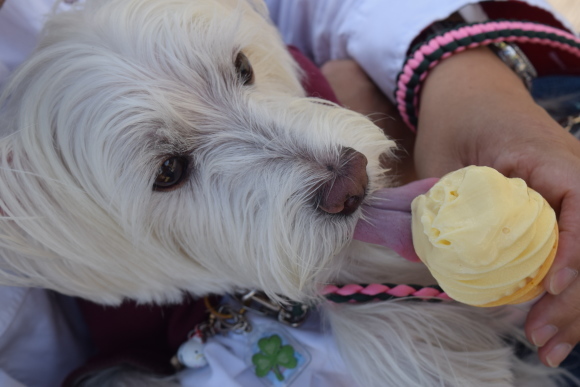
{"x": 171, "y": 172}
{"x": 244, "y": 69}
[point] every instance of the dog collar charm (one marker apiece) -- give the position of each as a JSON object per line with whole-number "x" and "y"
{"x": 277, "y": 358}
{"x": 191, "y": 353}
{"x": 274, "y": 357}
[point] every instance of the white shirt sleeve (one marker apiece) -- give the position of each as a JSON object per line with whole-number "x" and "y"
{"x": 375, "y": 33}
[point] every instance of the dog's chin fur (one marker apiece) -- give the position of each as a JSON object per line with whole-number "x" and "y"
{"x": 118, "y": 86}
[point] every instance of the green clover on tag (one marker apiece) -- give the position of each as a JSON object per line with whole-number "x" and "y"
{"x": 272, "y": 356}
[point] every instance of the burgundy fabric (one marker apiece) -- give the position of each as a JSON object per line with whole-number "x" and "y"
{"x": 313, "y": 82}
{"x": 145, "y": 337}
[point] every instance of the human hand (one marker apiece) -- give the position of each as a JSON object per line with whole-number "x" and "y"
{"x": 474, "y": 110}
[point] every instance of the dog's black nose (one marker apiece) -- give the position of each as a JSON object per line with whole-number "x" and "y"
{"x": 346, "y": 191}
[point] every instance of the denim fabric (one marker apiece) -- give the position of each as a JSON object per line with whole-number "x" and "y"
{"x": 572, "y": 364}
{"x": 560, "y": 96}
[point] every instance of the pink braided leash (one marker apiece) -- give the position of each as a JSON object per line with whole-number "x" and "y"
{"x": 355, "y": 293}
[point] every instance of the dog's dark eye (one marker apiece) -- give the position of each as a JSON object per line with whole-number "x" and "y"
{"x": 171, "y": 172}
{"x": 244, "y": 69}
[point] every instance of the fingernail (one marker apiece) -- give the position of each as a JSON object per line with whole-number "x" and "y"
{"x": 541, "y": 335}
{"x": 558, "y": 354}
{"x": 562, "y": 279}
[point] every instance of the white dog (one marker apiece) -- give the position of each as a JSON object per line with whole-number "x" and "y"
{"x": 156, "y": 147}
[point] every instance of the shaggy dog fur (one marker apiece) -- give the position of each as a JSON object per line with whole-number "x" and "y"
{"x": 116, "y": 88}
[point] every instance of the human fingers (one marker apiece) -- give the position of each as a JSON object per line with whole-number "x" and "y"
{"x": 553, "y": 325}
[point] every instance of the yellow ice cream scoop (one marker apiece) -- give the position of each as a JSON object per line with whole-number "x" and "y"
{"x": 487, "y": 239}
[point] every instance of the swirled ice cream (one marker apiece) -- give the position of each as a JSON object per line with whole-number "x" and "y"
{"x": 488, "y": 240}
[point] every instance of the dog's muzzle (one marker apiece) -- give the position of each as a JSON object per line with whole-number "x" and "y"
{"x": 344, "y": 193}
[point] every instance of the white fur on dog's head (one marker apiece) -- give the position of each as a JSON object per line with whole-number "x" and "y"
{"x": 117, "y": 87}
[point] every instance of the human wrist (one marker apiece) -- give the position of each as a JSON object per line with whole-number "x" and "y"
{"x": 465, "y": 82}
{"x": 468, "y": 100}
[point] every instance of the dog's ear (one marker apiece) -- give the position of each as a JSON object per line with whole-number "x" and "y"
{"x": 18, "y": 185}
{"x": 42, "y": 228}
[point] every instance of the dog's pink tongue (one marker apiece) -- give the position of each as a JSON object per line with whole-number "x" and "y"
{"x": 388, "y": 219}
